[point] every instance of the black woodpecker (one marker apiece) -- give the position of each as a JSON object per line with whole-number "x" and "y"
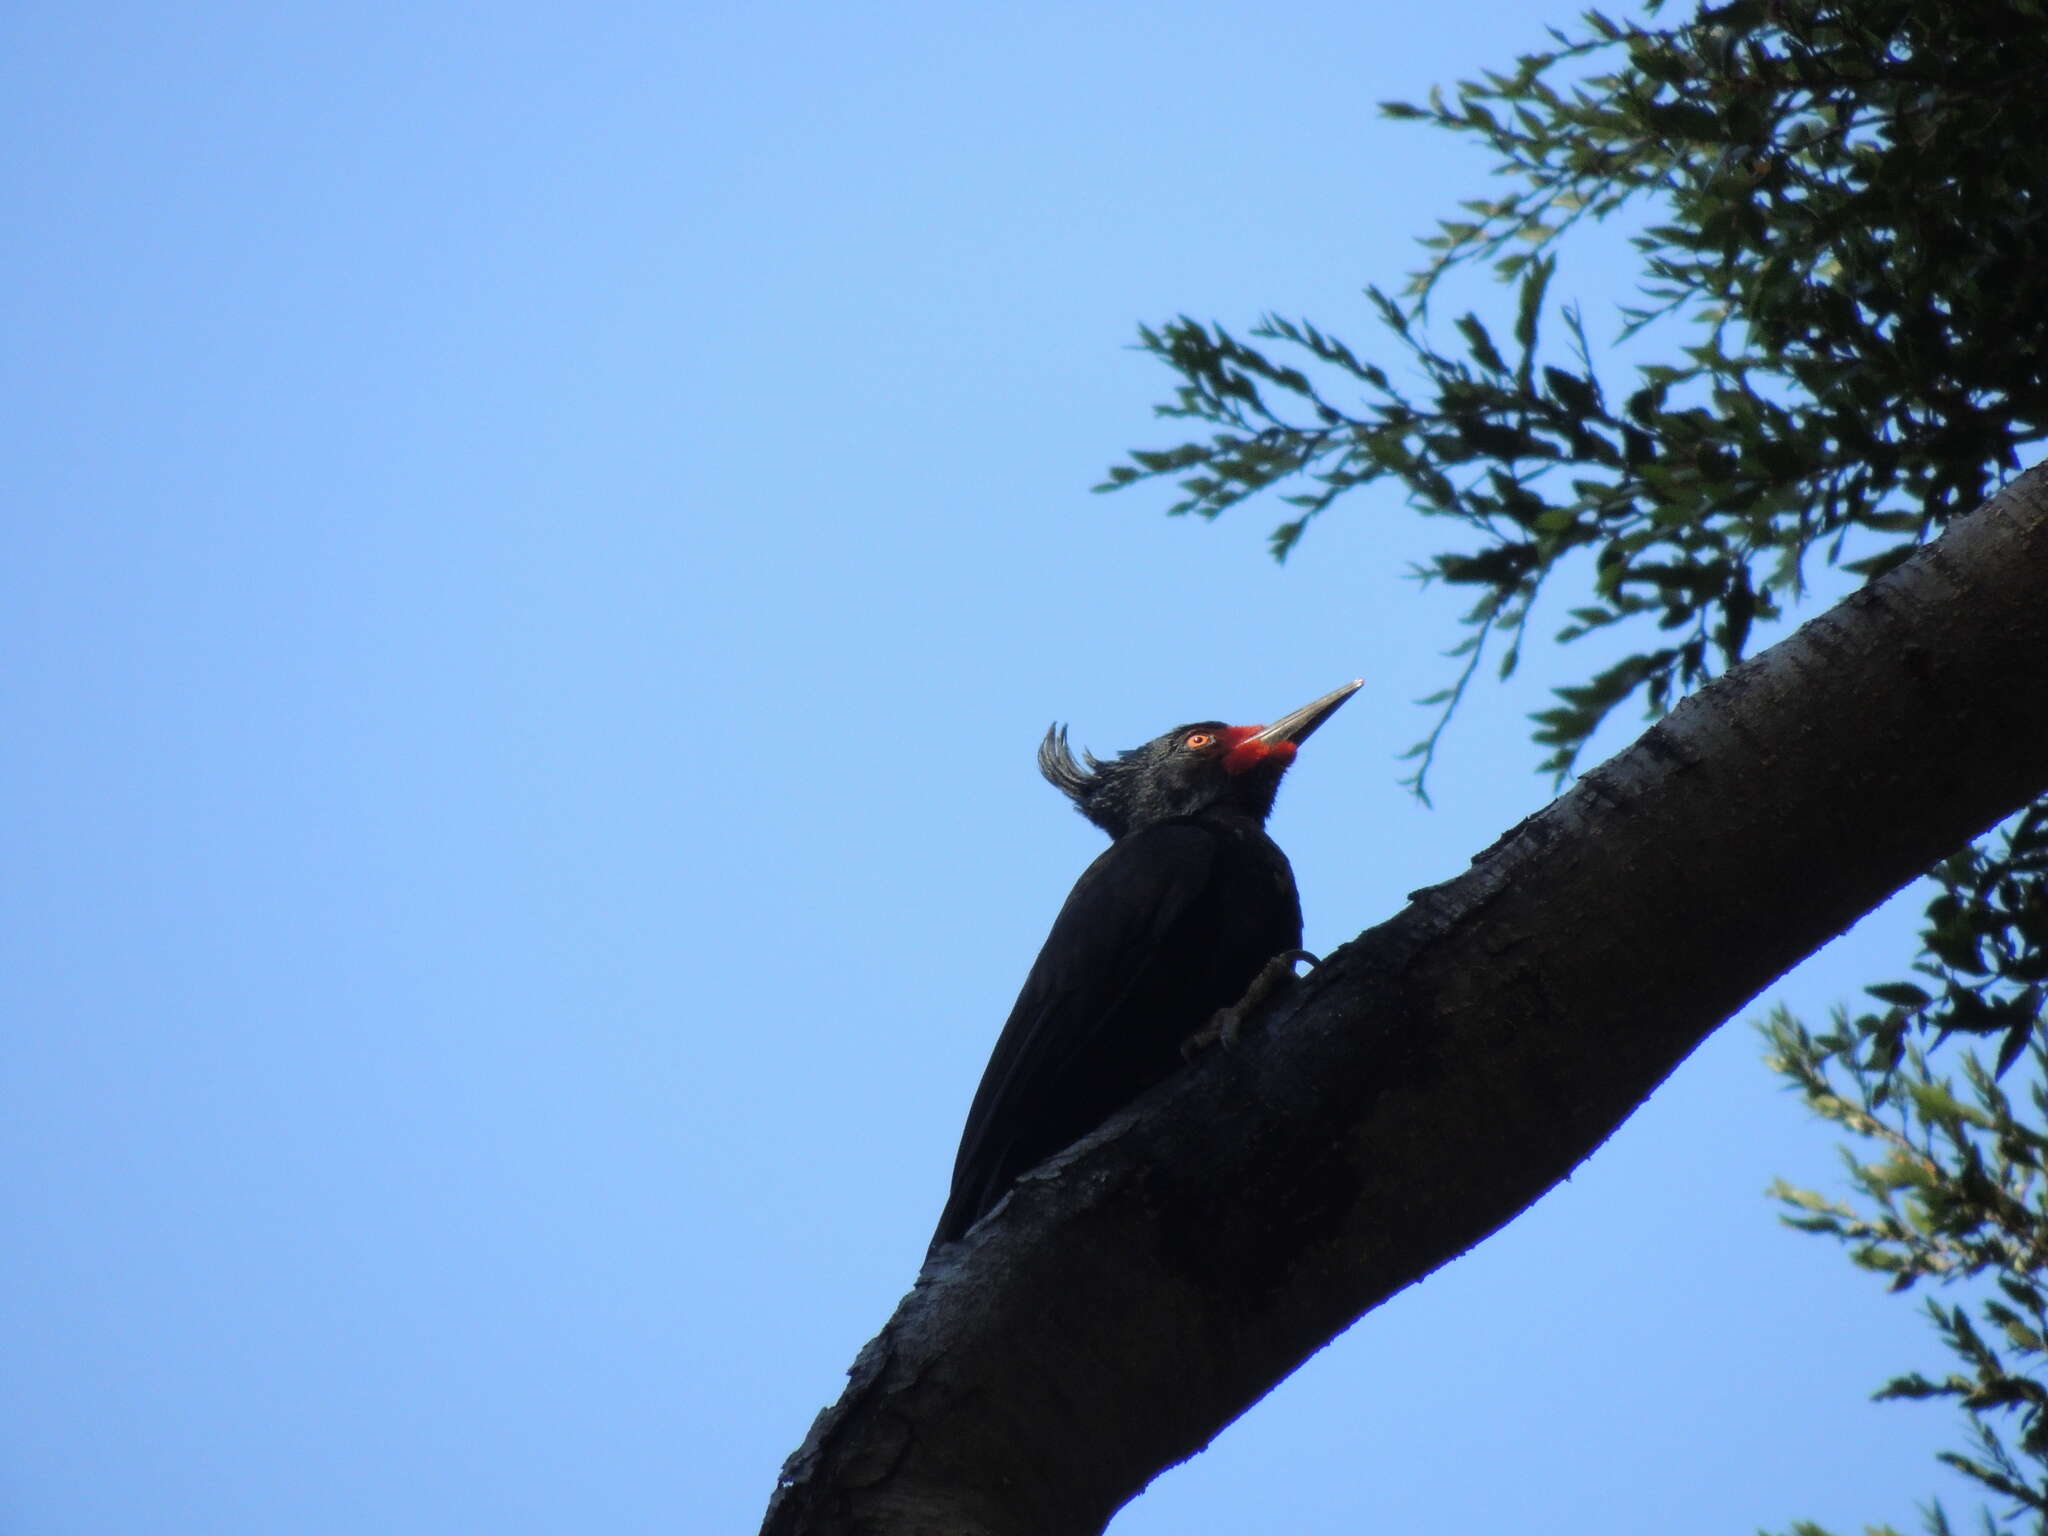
{"x": 1175, "y": 921}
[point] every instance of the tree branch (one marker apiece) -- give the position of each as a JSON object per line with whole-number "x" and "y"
{"x": 1442, "y": 1071}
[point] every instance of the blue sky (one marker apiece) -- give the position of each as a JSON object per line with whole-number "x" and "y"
{"x": 541, "y": 546}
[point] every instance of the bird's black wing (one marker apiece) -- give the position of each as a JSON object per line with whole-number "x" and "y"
{"x": 1062, "y": 1064}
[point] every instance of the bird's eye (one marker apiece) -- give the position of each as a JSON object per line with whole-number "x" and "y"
{"x": 1198, "y": 739}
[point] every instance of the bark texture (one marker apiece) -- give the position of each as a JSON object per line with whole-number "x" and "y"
{"x": 1438, "y": 1074}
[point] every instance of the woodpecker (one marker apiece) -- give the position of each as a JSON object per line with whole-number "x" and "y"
{"x": 1182, "y": 913}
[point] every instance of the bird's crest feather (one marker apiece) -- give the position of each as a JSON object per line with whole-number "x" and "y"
{"x": 1056, "y": 762}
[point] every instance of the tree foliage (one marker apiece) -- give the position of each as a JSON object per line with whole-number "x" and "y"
{"x": 1841, "y": 237}
{"x": 1840, "y": 211}
{"x": 1955, "y": 1185}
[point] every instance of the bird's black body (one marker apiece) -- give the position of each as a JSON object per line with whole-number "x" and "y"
{"x": 1174, "y": 920}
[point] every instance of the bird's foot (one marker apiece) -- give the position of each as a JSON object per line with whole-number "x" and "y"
{"x": 1226, "y": 1024}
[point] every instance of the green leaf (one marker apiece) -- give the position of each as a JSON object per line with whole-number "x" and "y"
{"x": 1481, "y": 344}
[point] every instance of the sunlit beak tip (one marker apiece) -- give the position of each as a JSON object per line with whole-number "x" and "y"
{"x": 1298, "y": 725}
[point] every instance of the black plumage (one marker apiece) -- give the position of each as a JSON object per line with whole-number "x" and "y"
{"x": 1172, "y": 923}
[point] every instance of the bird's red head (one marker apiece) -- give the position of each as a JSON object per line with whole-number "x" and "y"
{"x": 1246, "y": 747}
{"x": 1190, "y": 770}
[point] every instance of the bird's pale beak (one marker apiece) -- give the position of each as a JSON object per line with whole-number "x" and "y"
{"x": 1296, "y": 727}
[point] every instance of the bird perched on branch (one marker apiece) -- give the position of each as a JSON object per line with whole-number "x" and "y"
{"x": 1160, "y": 940}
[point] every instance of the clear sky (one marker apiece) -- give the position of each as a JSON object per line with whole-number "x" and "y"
{"x": 541, "y": 542}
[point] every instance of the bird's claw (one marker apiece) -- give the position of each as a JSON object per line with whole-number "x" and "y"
{"x": 1222, "y": 1029}
{"x": 1226, "y": 1025}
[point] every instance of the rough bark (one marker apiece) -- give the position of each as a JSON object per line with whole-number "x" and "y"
{"x": 1441, "y": 1072}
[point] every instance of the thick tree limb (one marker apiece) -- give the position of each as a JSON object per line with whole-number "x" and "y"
{"x": 1442, "y": 1071}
